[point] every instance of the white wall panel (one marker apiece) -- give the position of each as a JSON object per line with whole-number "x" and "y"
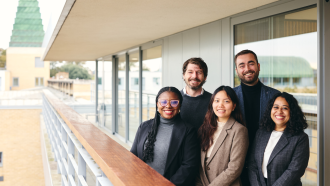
{"x": 190, "y": 43}
{"x": 190, "y": 46}
{"x": 175, "y": 61}
{"x": 226, "y": 61}
{"x": 165, "y": 64}
{"x": 210, "y": 51}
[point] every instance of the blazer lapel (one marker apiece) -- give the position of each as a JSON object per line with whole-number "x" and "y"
{"x": 262, "y": 147}
{"x": 221, "y": 138}
{"x": 279, "y": 146}
{"x": 263, "y": 100}
{"x": 143, "y": 139}
{"x": 241, "y": 100}
{"x": 178, "y": 133}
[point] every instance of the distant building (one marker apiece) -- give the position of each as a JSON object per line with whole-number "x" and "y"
{"x": 24, "y": 64}
{"x": 62, "y": 75}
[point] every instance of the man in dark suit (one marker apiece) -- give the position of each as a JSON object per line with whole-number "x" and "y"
{"x": 252, "y": 94}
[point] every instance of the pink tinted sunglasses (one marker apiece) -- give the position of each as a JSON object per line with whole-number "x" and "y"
{"x": 164, "y": 102}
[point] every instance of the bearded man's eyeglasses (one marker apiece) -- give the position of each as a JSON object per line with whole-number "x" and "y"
{"x": 164, "y": 102}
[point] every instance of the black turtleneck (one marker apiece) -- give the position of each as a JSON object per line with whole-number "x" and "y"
{"x": 251, "y": 96}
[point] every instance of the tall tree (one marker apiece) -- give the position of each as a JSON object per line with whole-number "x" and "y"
{"x": 75, "y": 71}
{"x": 2, "y": 58}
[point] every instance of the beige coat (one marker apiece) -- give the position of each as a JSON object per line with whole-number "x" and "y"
{"x": 226, "y": 162}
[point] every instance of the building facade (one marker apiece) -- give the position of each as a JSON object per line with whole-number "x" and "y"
{"x": 289, "y": 37}
{"x": 24, "y": 65}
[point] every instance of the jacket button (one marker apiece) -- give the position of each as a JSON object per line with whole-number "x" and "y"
{"x": 208, "y": 168}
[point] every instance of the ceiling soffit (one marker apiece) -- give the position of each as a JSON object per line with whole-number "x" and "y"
{"x": 94, "y": 29}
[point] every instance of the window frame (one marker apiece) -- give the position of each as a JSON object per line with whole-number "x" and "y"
{"x": 38, "y": 64}
{"x": 17, "y": 81}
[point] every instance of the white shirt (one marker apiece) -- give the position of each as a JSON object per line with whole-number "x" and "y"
{"x": 274, "y": 137}
{"x": 185, "y": 92}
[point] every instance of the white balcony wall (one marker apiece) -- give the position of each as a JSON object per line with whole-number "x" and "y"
{"x": 205, "y": 41}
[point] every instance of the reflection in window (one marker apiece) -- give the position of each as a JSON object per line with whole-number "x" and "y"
{"x": 107, "y": 93}
{"x": 152, "y": 80}
{"x": 286, "y": 46}
{"x": 121, "y": 124}
{"x": 156, "y": 81}
{"x": 134, "y": 117}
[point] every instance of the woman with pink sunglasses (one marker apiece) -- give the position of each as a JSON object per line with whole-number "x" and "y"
{"x": 167, "y": 143}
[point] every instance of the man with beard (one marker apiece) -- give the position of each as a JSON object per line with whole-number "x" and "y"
{"x": 252, "y": 94}
{"x": 195, "y": 98}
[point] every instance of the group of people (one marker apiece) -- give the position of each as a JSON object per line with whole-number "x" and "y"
{"x": 249, "y": 135}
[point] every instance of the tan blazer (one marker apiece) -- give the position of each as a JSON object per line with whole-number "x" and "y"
{"x": 226, "y": 162}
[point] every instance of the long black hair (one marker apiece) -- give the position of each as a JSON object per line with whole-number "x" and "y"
{"x": 210, "y": 124}
{"x": 297, "y": 122}
{"x": 148, "y": 152}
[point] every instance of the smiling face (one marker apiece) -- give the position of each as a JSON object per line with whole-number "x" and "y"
{"x": 194, "y": 77}
{"x": 280, "y": 113}
{"x": 222, "y": 106}
{"x": 168, "y": 111}
{"x": 247, "y": 69}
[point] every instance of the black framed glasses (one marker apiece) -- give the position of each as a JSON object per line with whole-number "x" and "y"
{"x": 164, "y": 102}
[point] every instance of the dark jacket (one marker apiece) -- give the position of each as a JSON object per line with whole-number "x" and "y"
{"x": 183, "y": 155}
{"x": 266, "y": 94}
{"x": 287, "y": 162}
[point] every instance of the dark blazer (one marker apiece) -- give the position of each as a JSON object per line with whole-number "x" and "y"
{"x": 287, "y": 162}
{"x": 183, "y": 155}
{"x": 227, "y": 158}
{"x": 266, "y": 94}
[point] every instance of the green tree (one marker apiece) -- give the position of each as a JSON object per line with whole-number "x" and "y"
{"x": 2, "y": 58}
{"x": 75, "y": 71}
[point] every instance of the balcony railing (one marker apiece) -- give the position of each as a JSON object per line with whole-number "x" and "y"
{"x": 80, "y": 146}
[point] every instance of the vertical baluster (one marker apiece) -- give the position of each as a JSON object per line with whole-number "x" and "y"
{"x": 81, "y": 168}
{"x": 71, "y": 171}
{"x": 63, "y": 150}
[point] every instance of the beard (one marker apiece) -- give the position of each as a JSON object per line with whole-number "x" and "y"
{"x": 249, "y": 81}
{"x": 201, "y": 83}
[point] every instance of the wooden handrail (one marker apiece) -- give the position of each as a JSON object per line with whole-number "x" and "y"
{"x": 118, "y": 164}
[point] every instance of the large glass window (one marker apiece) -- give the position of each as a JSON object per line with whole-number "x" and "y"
{"x": 152, "y": 80}
{"x": 121, "y": 101}
{"x": 107, "y": 93}
{"x": 286, "y": 46}
{"x": 133, "y": 95}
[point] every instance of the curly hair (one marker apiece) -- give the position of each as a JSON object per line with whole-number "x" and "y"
{"x": 209, "y": 126}
{"x": 148, "y": 152}
{"x": 297, "y": 122}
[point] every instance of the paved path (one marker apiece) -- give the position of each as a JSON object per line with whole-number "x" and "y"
{"x": 20, "y": 144}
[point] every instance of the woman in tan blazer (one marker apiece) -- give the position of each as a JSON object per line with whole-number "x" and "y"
{"x": 224, "y": 141}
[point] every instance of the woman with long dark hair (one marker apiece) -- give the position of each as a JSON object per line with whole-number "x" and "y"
{"x": 224, "y": 141}
{"x": 280, "y": 152}
{"x": 167, "y": 143}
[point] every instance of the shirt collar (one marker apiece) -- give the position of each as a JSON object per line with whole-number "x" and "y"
{"x": 185, "y": 92}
